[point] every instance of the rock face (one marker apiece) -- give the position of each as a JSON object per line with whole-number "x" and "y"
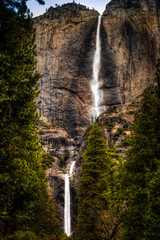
{"x": 66, "y": 42}
{"x": 65, "y": 38}
{"x": 57, "y": 142}
{"x": 130, "y": 42}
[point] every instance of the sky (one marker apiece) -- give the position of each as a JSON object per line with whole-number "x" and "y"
{"x": 37, "y": 9}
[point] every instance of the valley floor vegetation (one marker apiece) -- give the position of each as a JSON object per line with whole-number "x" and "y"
{"x": 26, "y": 210}
{"x": 121, "y": 199}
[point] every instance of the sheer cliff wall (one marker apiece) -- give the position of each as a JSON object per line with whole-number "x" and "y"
{"x": 65, "y": 39}
{"x": 130, "y": 43}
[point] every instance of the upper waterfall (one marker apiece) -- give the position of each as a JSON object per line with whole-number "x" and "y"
{"x": 96, "y": 109}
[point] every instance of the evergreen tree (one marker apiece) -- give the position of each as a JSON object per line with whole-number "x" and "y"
{"x": 142, "y": 168}
{"x": 96, "y": 191}
{"x": 23, "y": 193}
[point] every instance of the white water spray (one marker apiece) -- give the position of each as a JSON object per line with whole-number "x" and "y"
{"x": 72, "y": 168}
{"x": 67, "y": 219}
{"x": 96, "y": 109}
{"x": 67, "y": 209}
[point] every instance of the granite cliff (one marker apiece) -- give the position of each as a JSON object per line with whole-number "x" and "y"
{"x": 65, "y": 43}
{"x": 130, "y": 43}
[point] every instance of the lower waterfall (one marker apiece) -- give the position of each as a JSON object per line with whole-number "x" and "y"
{"x": 67, "y": 208}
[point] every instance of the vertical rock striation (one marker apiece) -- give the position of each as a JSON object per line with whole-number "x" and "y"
{"x": 130, "y": 43}
{"x": 65, "y": 43}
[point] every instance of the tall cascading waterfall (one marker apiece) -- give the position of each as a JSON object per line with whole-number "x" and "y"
{"x": 96, "y": 110}
{"x": 97, "y": 93}
{"x": 67, "y": 208}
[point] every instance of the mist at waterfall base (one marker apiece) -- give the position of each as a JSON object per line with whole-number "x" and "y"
{"x": 67, "y": 208}
{"x": 97, "y": 93}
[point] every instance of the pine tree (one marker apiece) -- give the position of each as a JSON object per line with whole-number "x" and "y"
{"x": 96, "y": 190}
{"x": 141, "y": 177}
{"x": 22, "y": 179}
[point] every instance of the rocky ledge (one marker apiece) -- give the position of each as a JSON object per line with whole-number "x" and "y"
{"x": 57, "y": 143}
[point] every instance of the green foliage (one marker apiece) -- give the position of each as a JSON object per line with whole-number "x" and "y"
{"x": 64, "y": 158}
{"x": 120, "y": 114}
{"x": 131, "y": 112}
{"x": 125, "y": 126}
{"x": 47, "y": 126}
{"x": 53, "y": 125}
{"x": 23, "y": 235}
{"x": 44, "y": 124}
{"x": 112, "y": 109}
{"x": 19, "y": 5}
{"x": 141, "y": 173}
{"x": 41, "y": 132}
{"x": 134, "y": 105}
{"x": 96, "y": 214}
{"x": 47, "y": 160}
{"x": 44, "y": 223}
{"x": 25, "y": 206}
{"x": 65, "y": 237}
{"x": 108, "y": 124}
{"x": 125, "y": 142}
{"x": 119, "y": 132}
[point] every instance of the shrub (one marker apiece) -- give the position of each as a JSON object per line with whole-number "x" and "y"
{"x": 108, "y": 125}
{"x": 125, "y": 142}
{"x": 53, "y": 125}
{"x": 41, "y": 132}
{"x": 47, "y": 125}
{"x": 47, "y": 160}
{"x": 23, "y": 235}
{"x": 125, "y": 126}
{"x": 131, "y": 112}
{"x": 64, "y": 157}
{"x": 119, "y": 132}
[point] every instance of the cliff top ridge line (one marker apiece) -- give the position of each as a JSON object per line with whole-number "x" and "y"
{"x": 69, "y": 10}
{"x": 133, "y": 3}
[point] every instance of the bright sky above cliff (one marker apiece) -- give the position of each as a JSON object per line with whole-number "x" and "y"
{"x": 37, "y": 9}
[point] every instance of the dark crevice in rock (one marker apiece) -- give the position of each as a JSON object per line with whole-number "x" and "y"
{"x": 69, "y": 90}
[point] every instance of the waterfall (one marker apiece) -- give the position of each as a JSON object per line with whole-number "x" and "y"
{"x": 67, "y": 210}
{"x": 67, "y": 214}
{"x": 96, "y": 109}
{"x": 71, "y": 168}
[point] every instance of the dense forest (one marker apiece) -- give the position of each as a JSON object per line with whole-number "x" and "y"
{"x": 27, "y": 211}
{"x": 117, "y": 199}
